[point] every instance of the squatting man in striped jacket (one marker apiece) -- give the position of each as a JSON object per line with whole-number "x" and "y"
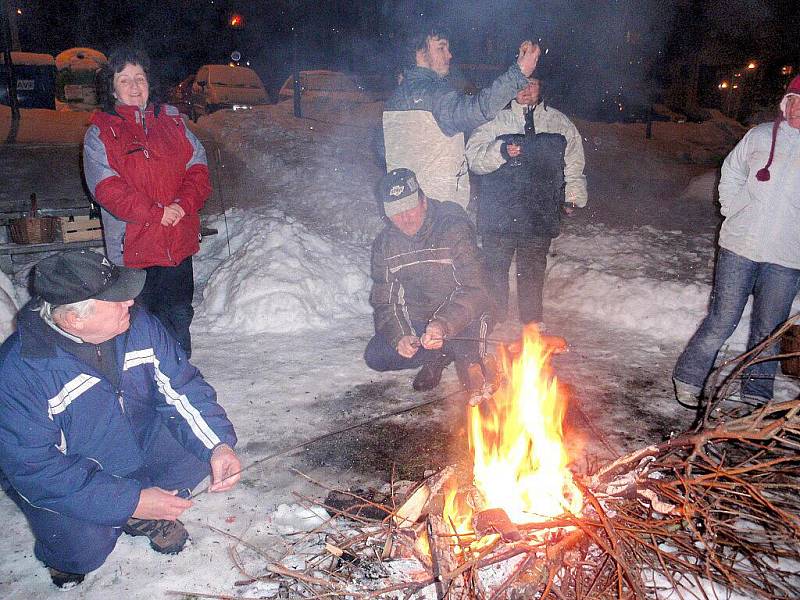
{"x": 428, "y": 287}
{"x": 105, "y": 427}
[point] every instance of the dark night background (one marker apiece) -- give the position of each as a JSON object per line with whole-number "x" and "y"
{"x": 601, "y": 53}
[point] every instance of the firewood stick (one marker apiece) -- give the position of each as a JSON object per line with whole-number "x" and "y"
{"x": 433, "y": 546}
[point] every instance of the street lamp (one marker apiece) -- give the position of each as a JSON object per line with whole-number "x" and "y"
{"x": 236, "y": 21}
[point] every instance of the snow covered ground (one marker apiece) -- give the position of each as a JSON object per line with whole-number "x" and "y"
{"x": 282, "y": 321}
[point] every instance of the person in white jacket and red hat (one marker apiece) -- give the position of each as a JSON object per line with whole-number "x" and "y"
{"x": 759, "y": 253}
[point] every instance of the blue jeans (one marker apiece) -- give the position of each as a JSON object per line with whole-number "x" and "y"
{"x": 381, "y": 355}
{"x": 75, "y": 546}
{"x": 773, "y": 288}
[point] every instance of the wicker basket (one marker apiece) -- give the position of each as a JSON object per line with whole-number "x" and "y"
{"x": 33, "y": 230}
{"x": 790, "y": 342}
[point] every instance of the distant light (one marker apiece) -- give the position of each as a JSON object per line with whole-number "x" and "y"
{"x": 19, "y": 11}
{"x": 737, "y": 75}
{"x": 723, "y": 85}
{"x": 787, "y": 70}
{"x": 735, "y": 87}
{"x": 751, "y": 65}
{"x": 236, "y": 21}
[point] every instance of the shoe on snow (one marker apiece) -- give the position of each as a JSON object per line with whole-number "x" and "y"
{"x": 166, "y": 537}
{"x": 64, "y": 580}
{"x": 686, "y": 395}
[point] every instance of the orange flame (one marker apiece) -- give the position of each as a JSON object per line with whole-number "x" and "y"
{"x": 520, "y": 462}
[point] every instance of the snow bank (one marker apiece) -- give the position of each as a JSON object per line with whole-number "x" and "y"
{"x": 42, "y": 126}
{"x": 282, "y": 278}
{"x": 322, "y": 169}
{"x": 651, "y": 281}
{"x": 702, "y": 187}
{"x": 700, "y": 143}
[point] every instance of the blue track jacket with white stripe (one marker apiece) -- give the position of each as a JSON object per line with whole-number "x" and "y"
{"x": 69, "y": 438}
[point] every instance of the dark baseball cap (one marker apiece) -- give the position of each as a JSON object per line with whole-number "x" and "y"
{"x": 77, "y": 275}
{"x": 398, "y": 191}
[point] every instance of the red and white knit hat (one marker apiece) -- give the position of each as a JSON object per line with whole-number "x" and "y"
{"x": 792, "y": 90}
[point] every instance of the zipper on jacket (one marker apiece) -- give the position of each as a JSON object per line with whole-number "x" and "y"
{"x": 118, "y": 391}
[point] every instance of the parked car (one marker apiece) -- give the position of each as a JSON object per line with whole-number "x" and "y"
{"x": 76, "y": 78}
{"x": 330, "y": 85}
{"x": 181, "y": 95}
{"x": 225, "y": 86}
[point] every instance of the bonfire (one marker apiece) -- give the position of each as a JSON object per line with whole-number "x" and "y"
{"x": 709, "y": 512}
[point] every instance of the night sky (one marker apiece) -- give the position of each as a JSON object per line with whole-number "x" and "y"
{"x": 635, "y": 47}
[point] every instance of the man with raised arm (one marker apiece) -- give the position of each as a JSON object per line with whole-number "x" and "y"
{"x": 425, "y": 119}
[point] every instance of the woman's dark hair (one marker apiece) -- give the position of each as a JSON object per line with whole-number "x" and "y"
{"x": 117, "y": 59}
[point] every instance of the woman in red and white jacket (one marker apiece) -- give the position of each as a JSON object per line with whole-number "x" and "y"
{"x": 149, "y": 174}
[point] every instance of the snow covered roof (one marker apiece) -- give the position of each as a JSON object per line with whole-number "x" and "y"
{"x": 29, "y": 58}
{"x": 238, "y": 76}
{"x": 80, "y": 59}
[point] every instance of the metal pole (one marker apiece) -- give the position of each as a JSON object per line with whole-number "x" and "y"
{"x": 11, "y": 80}
{"x": 12, "y": 24}
{"x": 298, "y": 111}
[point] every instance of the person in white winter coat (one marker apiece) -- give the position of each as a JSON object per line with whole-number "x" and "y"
{"x": 530, "y": 159}
{"x": 759, "y": 252}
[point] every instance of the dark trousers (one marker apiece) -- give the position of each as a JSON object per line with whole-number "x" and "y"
{"x": 381, "y": 355}
{"x": 531, "y": 265}
{"x": 168, "y": 295}
{"x": 75, "y": 546}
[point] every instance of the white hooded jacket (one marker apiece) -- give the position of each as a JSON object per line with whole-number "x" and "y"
{"x": 483, "y": 147}
{"x": 762, "y": 218}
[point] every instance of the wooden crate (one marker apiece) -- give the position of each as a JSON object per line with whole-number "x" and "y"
{"x": 79, "y": 228}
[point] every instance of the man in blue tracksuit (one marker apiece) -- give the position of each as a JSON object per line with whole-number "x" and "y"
{"x": 105, "y": 427}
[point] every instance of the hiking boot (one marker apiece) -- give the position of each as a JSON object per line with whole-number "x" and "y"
{"x": 686, "y": 394}
{"x": 166, "y": 537}
{"x": 429, "y": 376}
{"x": 64, "y": 580}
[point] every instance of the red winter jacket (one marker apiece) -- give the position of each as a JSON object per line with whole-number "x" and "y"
{"x": 135, "y": 164}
